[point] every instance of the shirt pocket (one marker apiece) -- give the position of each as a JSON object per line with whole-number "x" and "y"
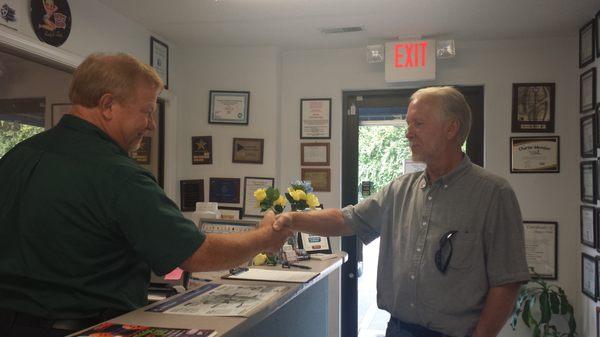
{"x": 463, "y": 251}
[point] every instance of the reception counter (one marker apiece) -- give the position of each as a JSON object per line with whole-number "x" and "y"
{"x": 300, "y": 310}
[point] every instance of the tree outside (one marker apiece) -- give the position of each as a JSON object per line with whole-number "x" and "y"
{"x": 12, "y": 133}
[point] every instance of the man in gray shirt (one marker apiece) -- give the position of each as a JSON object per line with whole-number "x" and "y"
{"x": 451, "y": 256}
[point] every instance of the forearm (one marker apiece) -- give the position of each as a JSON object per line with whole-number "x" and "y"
{"x": 327, "y": 222}
{"x": 499, "y": 304}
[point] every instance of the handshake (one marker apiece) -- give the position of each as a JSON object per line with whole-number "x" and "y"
{"x": 275, "y": 230}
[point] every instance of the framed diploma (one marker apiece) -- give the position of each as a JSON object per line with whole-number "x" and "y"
{"x": 315, "y": 118}
{"x": 588, "y": 136}
{"x": 226, "y": 190}
{"x": 58, "y": 111}
{"x": 589, "y": 189}
{"x": 251, "y": 184}
{"x": 587, "y": 42}
{"x": 587, "y": 91}
{"x": 314, "y": 243}
{"x": 588, "y": 225}
{"x": 159, "y": 59}
{"x": 533, "y": 107}
{"x": 541, "y": 248}
{"x": 320, "y": 178}
{"x": 192, "y": 191}
{"x": 534, "y": 154}
{"x": 228, "y": 107}
{"x": 248, "y": 150}
{"x": 589, "y": 276}
{"x": 314, "y": 154}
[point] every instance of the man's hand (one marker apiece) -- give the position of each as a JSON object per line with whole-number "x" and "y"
{"x": 273, "y": 238}
{"x": 283, "y": 221}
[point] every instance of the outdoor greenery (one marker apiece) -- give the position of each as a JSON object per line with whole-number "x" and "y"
{"x": 12, "y": 133}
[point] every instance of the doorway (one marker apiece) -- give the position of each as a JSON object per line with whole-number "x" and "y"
{"x": 382, "y": 111}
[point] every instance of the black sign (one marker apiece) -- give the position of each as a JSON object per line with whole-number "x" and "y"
{"x": 51, "y": 20}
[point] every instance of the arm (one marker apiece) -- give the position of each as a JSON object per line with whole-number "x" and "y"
{"x": 498, "y": 306}
{"x": 328, "y": 222}
{"x": 222, "y": 251}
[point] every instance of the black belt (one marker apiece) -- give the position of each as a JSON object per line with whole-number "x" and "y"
{"x": 10, "y": 318}
{"x": 417, "y": 330}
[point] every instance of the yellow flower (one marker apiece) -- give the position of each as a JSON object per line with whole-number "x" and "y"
{"x": 312, "y": 200}
{"x": 280, "y": 201}
{"x": 298, "y": 195}
{"x": 260, "y": 194}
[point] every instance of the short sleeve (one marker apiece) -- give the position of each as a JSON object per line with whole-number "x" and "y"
{"x": 505, "y": 243}
{"x": 153, "y": 225}
{"x": 366, "y": 218}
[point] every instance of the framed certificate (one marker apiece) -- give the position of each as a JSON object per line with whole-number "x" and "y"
{"x": 228, "y": 107}
{"x": 589, "y": 189}
{"x": 587, "y": 91}
{"x": 533, "y": 107}
{"x": 320, "y": 178}
{"x": 588, "y": 225}
{"x": 589, "y": 276}
{"x": 314, "y": 243}
{"x": 588, "y": 136}
{"x": 226, "y": 190}
{"x": 587, "y": 43}
{"x": 314, "y": 154}
{"x": 58, "y": 111}
{"x": 251, "y": 184}
{"x": 159, "y": 59}
{"x": 534, "y": 154}
{"x": 248, "y": 150}
{"x": 541, "y": 248}
{"x": 315, "y": 118}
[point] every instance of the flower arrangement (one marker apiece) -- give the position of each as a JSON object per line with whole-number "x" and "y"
{"x": 299, "y": 195}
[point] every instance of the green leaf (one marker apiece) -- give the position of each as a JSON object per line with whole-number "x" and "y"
{"x": 525, "y": 316}
{"x": 554, "y": 303}
{"x": 536, "y": 331}
{"x": 545, "y": 308}
{"x": 564, "y": 304}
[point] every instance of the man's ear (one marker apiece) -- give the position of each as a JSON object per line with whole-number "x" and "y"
{"x": 106, "y": 106}
{"x": 452, "y": 129}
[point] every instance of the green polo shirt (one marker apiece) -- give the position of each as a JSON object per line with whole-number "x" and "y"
{"x": 82, "y": 225}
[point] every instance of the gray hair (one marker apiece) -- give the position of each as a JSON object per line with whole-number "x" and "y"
{"x": 453, "y": 106}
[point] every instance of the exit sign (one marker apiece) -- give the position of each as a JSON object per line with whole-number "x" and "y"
{"x": 409, "y": 61}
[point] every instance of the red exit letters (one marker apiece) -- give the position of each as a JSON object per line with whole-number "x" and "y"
{"x": 410, "y": 55}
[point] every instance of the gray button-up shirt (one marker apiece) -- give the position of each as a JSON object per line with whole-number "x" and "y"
{"x": 411, "y": 214}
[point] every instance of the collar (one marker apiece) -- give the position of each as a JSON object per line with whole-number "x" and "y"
{"x": 450, "y": 177}
{"x": 73, "y": 122}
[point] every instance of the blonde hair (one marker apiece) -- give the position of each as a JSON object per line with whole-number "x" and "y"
{"x": 117, "y": 74}
{"x": 453, "y": 106}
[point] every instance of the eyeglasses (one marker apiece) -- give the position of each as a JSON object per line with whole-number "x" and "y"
{"x": 444, "y": 254}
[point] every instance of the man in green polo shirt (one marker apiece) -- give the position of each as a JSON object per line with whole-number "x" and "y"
{"x": 82, "y": 225}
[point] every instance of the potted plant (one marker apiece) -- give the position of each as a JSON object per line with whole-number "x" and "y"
{"x": 538, "y": 303}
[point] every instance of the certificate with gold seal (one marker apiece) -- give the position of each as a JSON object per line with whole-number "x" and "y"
{"x": 534, "y": 154}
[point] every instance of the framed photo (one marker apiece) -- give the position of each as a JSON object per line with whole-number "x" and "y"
{"x": 251, "y": 184}
{"x": 533, "y": 107}
{"x": 535, "y": 154}
{"x": 228, "y": 107}
{"x": 314, "y": 154}
{"x": 248, "y": 150}
{"x": 589, "y": 188}
{"x": 589, "y": 276}
{"x": 314, "y": 243}
{"x": 191, "y": 192}
{"x": 320, "y": 178}
{"x": 226, "y": 190}
{"x": 201, "y": 150}
{"x": 587, "y": 91}
{"x": 541, "y": 248}
{"x": 159, "y": 59}
{"x": 58, "y": 111}
{"x": 587, "y": 43}
{"x": 588, "y": 224}
{"x": 230, "y": 213}
{"x": 315, "y": 118}
{"x": 588, "y": 136}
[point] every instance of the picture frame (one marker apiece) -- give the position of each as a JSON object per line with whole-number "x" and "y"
{"x": 533, "y": 107}
{"x": 230, "y": 213}
{"x": 598, "y": 42}
{"x": 587, "y": 43}
{"x": 588, "y": 136}
{"x": 320, "y": 178}
{"x": 541, "y": 248}
{"x": 588, "y": 183}
{"x": 588, "y": 220}
{"x": 248, "y": 150}
{"x": 191, "y": 192}
{"x": 202, "y": 150}
{"x": 589, "y": 276}
{"x": 315, "y": 118}
{"x": 225, "y": 190}
{"x": 313, "y": 244}
{"x": 159, "y": 59}
{"x": 587, "y": 91}
{"x": 143, "y": 154}
{"x": 58, "y": 110}
{"x": 535, "y": 154}
{"x": 314, "y": 154}
{"x": 228, "y": 107}
{"x": 251, "y": 184}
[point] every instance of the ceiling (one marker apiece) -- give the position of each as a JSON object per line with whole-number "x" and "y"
{"x": 296, "y": 24}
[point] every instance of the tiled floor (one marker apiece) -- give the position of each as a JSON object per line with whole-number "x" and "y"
{"x": 371, "y": 321}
